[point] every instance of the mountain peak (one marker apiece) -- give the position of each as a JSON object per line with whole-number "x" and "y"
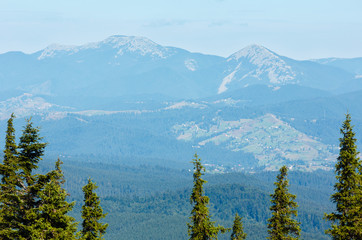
{"x": 253, "y": 51}
{"x": 132, "y": 44}
{"x": 53, "y": 49}
{"x": 141, "y": 45}
{"x": 119, "y": 40}
{"x": 257, "y": 64}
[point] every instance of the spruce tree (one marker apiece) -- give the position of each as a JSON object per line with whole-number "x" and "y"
{"x": 30, "y": 151}
{"x": 53, "y": 221}
{"x": 347, "y": 219}
{"x": 9, "y": 195}
{"x": 238, "y": 230}
{"x": 281, "y": 225}
{"x": 32, "y": 206}
{"x": 201, "y": 227}
{"x": 92, "y": 213}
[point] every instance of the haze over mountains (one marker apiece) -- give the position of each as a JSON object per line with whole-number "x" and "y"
{"x": 122, "y": 65}
{"x": 128, "y": 96}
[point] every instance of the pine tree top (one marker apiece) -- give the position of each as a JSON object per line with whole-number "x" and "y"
{"x": 201, "y": 227}
{"x": 31, "y": 148}
{"x": 281, "y": 224}
{"x": 10, "y": 150}
{"x": 92, "y": 213}
{"x": 347, "y": 219}
{"x": 238, "y": 230}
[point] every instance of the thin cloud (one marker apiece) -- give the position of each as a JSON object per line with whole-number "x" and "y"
{"x": 221, "y": 23}
{"x": 30, "y": 16}
{"x": 166, "y": 23}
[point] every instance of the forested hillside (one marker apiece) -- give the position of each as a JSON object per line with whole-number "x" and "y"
{"x": 153, "y": 201}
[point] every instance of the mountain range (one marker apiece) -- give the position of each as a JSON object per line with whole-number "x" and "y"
{"x": 122, "y": 65}
{"x": 127, "y": 97}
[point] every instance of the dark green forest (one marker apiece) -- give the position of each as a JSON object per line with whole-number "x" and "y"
{"x": 152, "y": 202}
{"x": 144, "y": 201}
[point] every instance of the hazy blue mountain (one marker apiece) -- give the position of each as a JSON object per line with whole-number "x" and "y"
{"x": 258, "y": 65}
{"x": 352, "y": 65}
{"x": 126, "y": 65}
{"x": 117, "y": 66}
{"x": 128, "y": 97}
{"x": 263, "y": 94}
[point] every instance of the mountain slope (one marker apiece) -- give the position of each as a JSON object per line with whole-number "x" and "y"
{"x": 116, "y": 66}
{"x": 111, "y": 98}
{"x": 128, "y": 65}
{"x": 258, "y": 65}
{"x": 352, "y": 65}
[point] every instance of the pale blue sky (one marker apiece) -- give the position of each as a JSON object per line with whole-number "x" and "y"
{"x": 298, "y": 29}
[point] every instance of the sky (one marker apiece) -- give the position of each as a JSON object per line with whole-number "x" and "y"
{"x": 300, "y": 29}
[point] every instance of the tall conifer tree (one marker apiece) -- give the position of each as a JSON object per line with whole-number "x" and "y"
{"x": 281, "y": 225}
{"x": 9, "y": 195}
{"x": 238, "y": 230}
{"x": 201, "y": 227}
{"x": 92, "y": 213}
{"x": 347, "y": 219}
{"x": 31, "y": 149}
{"x": 32, "y": 206}
{"x": 53, "y": 221}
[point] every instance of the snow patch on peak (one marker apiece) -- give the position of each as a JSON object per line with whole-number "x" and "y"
{"x": 191, "y": 64}
{"x": 52, "y": 49}
{"x": 226, "y": 81}
{"x": 259, "y": 64}
{"x": 59, "y": 47}
{"x": 255, "y": 53}
{"x": 122, "y": 44}
{"x": 141, "y": 45}
{"x": 118, "y": 41}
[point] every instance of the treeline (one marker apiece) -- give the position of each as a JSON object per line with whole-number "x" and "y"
{"x": 33, "y": 205}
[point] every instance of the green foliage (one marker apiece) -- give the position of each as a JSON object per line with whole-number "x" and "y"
{"x": 10, "y": 151}
{"x": 201, "y": 227}
{"x": 54, "y": 221}
{"x": 33, "y": 206}
{"x": 30, "y": 151}
{"x": 9, "y": 197}
{"x": 347, "y": 219}
{"x": 238, "y": 230}
{"x": 92, "y": 213}
{"x": 281, "y": 225}
{"x": 152, "y": 202}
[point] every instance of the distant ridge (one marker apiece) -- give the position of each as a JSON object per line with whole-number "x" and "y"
{"x": 132, "y": 65}
{"x": 122, "y": 44}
